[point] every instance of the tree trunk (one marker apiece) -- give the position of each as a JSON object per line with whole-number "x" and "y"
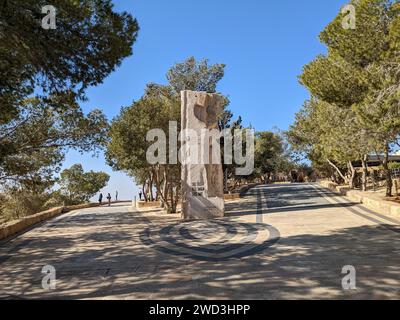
{"x": 157, "y": 181}
{"x": 388, "y": 174}
{"x": 164, "y": 189}
{"x": 173, "y": 200}
{"x": 161, "y": 190}
{"x": 364, "y": 163}
{"x": 144, "y": 191}
{"x": 177, "y": 196}
{"x": 151, "y": 187}
{"x": 168, "y": 199}
{"x": 337, "y": 170}
{"x": 352, "y": 177}
{"x": 226, "y": 189}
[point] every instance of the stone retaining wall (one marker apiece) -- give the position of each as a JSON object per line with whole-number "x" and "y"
{"x": 243, "y": 189}
{"x": 232, "y": 196}
{"x": 144, "y": 204}
{"x": 373, "y": 203}
{"x": 155, "y": 204}
{"x": 17, "y": 226}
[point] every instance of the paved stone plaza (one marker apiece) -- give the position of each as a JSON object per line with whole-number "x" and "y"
{"x": 279, "y": 242}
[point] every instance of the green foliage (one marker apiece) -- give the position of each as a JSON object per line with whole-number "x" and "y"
{"x": 332, "y": 79}
{"x": 90, "y": 40}
{"x": 128, "y": 144}
{"x": 78, "y": 186}
{"x": 44, "y": 75}
{"x": 367, "y": 43}
{"x": 226, "y": 122}
{"x": 268, "y": 152}
{"x": 394, "y": 165}
{"x": 18, "y": 203}
{"x": 159, "y": 105}
{"x": 354, "y": 110}
{"x": 195, "y": 76}
{"x": 272, "y": 156}
{"x": 370, "y": 52}
{"x": 33, "y": 144}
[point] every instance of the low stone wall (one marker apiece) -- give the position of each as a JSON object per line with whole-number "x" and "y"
{"x": 379, "y": 205}
{"x": 151, "y": 204}
{"x": 243, "y": 189}
{"x": 81, "y": 206}
{"x": 232, "y": 196}
{"x": 17, "y": 226}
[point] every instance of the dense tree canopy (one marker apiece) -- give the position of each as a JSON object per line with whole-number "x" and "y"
{"x": 44, "y": 75}
{"x": 89, "y": 41}
{"x": 354, "y": 110}
{"x": 197, "y": 76}
{"x": 269, "y": 153}
{"x": 78, "y": 186}
{"x": 128, "y": 145}
{"x": 159, "y": 105}
{"x": 33, "y": 144}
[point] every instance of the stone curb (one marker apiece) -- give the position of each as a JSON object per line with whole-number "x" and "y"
{"x": 232, "y": 196}
{"x": 144, "y": 204}
{"x": 157, "y": 204}
{"x": 381, "y": 206}
{"x": 17, "y": 226}
{"x": 244, "y": 189}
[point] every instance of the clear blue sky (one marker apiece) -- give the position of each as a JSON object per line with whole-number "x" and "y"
{"x": 263, "y": 43}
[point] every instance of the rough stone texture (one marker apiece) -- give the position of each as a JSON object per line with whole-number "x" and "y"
{"x": 202, "y": 184}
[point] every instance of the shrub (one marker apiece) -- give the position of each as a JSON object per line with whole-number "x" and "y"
{"x": 394, "y": 165}
{"x": 19, "y": 203}
{"x": 58, "y": 199}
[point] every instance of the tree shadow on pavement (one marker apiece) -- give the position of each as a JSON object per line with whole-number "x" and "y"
{"x": 299, "y": 267}
{"x": 103, "y": 256}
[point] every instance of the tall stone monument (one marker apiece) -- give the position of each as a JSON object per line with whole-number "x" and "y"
{"x": 202, "y": 182}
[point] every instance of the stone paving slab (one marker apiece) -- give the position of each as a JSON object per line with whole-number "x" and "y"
{"x": 100, "y": 253}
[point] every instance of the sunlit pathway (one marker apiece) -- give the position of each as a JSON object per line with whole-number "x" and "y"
{"x": 281, "y": 241}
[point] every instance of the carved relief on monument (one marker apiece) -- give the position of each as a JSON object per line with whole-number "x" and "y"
{"x": 202, "y": 181}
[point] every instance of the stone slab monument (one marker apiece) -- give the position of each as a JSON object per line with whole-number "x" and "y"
{"x": 202, "y": 181}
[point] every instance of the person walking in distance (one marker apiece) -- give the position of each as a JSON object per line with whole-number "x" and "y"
{"x": 109, "y": 199}
{"x": 116, "y": 195}
{"x": 100, "y": 199}
{"x": 140, "y": 195}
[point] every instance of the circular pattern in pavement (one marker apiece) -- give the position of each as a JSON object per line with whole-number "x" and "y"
{"x": 213, "y": 240}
